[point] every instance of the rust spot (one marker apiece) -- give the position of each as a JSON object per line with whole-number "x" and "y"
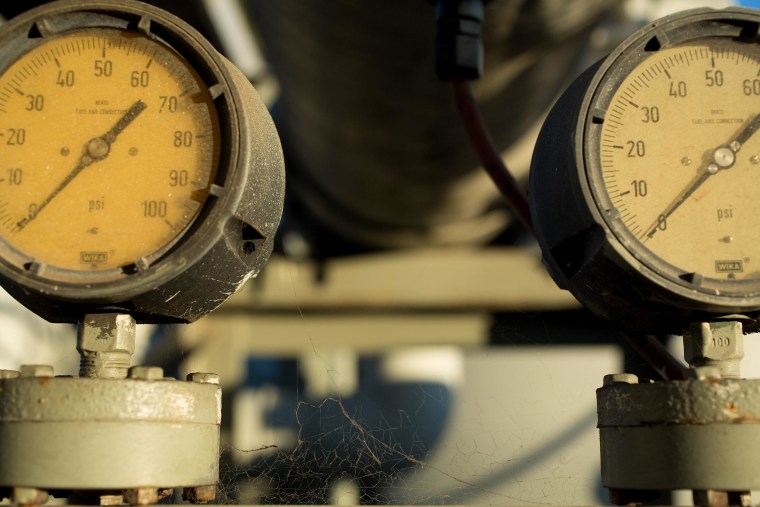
{"x": 43, "y": 381}
{"x": 732, "y": 409}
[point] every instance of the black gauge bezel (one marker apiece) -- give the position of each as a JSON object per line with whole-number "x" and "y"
{"x": 249, "y": 160}
{"x": 619, "y": 69}
{"x": 585, "y": 247}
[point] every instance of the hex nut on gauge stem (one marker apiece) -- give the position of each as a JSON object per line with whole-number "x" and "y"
{"x": 106, "y": 342}
{"x": 719, "y": 344}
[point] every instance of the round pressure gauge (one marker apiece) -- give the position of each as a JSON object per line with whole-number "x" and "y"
{"x": 139, "y": 171}
{"x": 645, "y": 183}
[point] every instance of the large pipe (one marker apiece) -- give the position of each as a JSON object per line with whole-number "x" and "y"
{"x": 376, "y": 151}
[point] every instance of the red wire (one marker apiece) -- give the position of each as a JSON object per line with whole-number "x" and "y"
{"x": 489, "y": 156}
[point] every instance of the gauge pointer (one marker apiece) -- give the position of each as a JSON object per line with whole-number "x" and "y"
{"x": 96, "y": 149}
{"x": 723, "y": 157}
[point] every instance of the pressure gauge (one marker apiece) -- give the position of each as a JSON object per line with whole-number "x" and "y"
{"x": 139, "y": 171}
{"x": 645, "y": 181}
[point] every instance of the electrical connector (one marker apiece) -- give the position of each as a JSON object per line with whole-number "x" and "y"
{"x": 458, "y": 45}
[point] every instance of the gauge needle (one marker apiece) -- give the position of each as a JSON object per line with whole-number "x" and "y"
{"x": 723, "y": 157}
{"x": 96, "y": 149}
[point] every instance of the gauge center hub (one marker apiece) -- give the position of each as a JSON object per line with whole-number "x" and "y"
{"x": 98, "y": 148}
{"x": 724, "y": 157}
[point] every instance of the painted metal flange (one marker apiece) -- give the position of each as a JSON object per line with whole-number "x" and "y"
{"x": 701, "y": 434}
{"x": 98, "y": 434}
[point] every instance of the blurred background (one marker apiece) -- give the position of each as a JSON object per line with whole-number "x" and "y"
{"x": 404, "y": 344}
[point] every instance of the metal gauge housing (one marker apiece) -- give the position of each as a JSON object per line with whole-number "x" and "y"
{"x": 645, "y": 180}
{"x": 139, "y": 170}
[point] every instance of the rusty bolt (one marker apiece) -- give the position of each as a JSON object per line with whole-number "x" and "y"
{"x": 165, "y": 493}
{"x": 29, "y": 496}
{"x": 36, "y": 370}
{"x": 200, "y": 494}
{"x": 146, "y": 373}
{"x": 141, "y": 496}
{"x": 204, "y": 378}
{"x": 6, "y": 374}
{"x": 111, "y": 499}
{"x": 620, "y": 378}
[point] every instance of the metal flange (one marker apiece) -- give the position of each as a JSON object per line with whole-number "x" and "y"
{"x": 700, "y": 434}
{"x": 145, "y": 431}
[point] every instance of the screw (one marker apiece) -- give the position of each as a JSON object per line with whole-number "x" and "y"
{"x": 36, "y": 370}
{"x": 141, "y": 496}
{"x": 6, "y": 374}
{"x": 204, "y": 378}
{"x": 146, "y": 373}
{"x": 200, "y": 494}
{"x": 620, "y": 378}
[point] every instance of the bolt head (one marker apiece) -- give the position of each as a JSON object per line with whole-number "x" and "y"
{"x": 620, "y": 378}
{"x": 146, "y": 373}
{"x": 36, "y": 370}
{"x": 204, "y": 378}
{"x": 29, "y": 496}
{"x": 200, "y": 494}
{"x": 6, "y": 374}
{"x": 141, "y": 496}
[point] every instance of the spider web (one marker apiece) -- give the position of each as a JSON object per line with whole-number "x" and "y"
{"x": 405, "y": 444}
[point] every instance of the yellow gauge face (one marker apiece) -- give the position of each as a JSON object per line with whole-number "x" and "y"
{"x": 680, "y": 159}
{"x": 109, "y": 143}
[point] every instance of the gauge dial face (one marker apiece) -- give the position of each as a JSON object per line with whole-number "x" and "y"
{"x": 109, "y": 143}
{"x": 679, "y": 151}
